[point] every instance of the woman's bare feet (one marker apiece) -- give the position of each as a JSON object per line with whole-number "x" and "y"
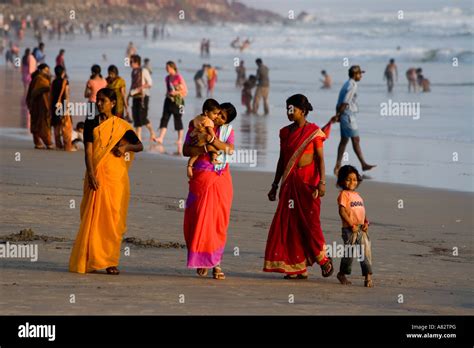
{"x": 368, "y": 283}
{"x": 202, "y": 272}
{"x": 158, "y": 140}
{"x": 342, "y": 279}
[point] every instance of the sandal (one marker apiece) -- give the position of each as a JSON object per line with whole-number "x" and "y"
{"x": 217, "y": 273}
{"x": 202, "y": 272}
{"x": 113, "y": 270}
{"x": 327, "y": 269}
{"x": 302, "y": 276}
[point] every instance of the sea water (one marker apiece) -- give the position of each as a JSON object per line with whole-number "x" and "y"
{"x": 433, "y": 148}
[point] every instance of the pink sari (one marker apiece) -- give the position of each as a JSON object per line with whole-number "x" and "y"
{"x": 207, "y": 212}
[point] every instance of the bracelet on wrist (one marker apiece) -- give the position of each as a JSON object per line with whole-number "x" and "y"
{"x": 212, "y": 140}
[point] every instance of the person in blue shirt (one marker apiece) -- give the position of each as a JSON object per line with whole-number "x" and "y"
{"x": 39, "y": 54}
{"x": 346, "y": 111}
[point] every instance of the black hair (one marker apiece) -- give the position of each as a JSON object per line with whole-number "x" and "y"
{"x": 58, "y": 70}
{"x": 41, "y": 44}
{"x": 147, "y": 60}
{"x": 301, "y": 102}
{"x": 96, "y": 70}
{"x": 210, "y": 105}
{"x": 43, "y": 66}
{"x": 392, "y": 60}
{"x": 258, "y": 61}
{"x": 24, "y": 61}
{"x": 173, "y": 65}
{"x": 62, "y": 50}
{"x": 344, "y": 172}
{"x": 80, "y": 125}
{"x": 113, "y": 68}
{"x": 136, "y": 59}
{"x": 252, "y": 77}
{"x": 323, "y": 72}
{"x": 111, "y": 95}
{"x": 230, "y": 111}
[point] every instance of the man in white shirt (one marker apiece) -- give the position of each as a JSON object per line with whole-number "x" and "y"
{"x": 140, "y": 93}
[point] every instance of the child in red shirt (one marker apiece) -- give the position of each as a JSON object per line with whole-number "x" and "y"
{"x": 355, "y": 225}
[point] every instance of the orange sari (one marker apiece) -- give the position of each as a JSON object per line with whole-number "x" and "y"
{"x": 103, "y": 212}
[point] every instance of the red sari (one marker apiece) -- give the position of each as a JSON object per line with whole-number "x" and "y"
{"x": 295, "y": 239}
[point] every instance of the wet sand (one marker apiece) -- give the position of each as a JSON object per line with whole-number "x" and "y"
{"x": 412, "y": 247}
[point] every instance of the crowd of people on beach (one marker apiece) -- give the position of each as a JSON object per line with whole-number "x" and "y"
{"x": 111, "y": 132}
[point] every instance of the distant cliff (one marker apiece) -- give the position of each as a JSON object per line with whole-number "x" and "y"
{"x": 138, "y": 11}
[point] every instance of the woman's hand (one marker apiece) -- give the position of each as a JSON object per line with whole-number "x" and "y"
{"x": 365, "y": 227}
{"x": 93, "y": 183}
{"x": 272, "y": 194}
{"x": 355, "y": 228}
{"x": 118, "y": 151}
{"x": 322, "y": 189}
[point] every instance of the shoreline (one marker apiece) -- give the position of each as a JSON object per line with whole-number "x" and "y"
{"x": 176, "y": 159}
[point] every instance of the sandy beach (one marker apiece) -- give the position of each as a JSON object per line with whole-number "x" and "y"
{"x": 412, "y": 247}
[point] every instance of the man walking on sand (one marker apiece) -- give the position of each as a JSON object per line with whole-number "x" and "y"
{"x": 346, "y": 111}
{"x": 263, "y": 88}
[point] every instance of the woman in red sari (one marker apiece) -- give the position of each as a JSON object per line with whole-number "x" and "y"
{"x": 207, "y": 212}
{"x": 295, "y": 239}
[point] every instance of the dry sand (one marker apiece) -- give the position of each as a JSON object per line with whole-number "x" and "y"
{"x": 412, "y": 247}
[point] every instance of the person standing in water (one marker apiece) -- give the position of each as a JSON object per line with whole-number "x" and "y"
{"x": 412, "y": 80}
{"x": 346, "y": 111}
{"x": 327, "y": 80}
{"x": 241, "y": 76}
{"x": 211, "y": 80}
{"x": 390, "y": 75}
{"x": 263, "y": 87}
{"x": 199, "y": 80}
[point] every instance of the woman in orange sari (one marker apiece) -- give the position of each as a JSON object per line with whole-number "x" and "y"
{"x": 207, "y": 212}
{"x": 109, "y": 146}
{"x": 295, "y": 239}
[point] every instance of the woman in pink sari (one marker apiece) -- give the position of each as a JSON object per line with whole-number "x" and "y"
{"x": 207, "y": 212}
{"x": 295, "y": 239}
